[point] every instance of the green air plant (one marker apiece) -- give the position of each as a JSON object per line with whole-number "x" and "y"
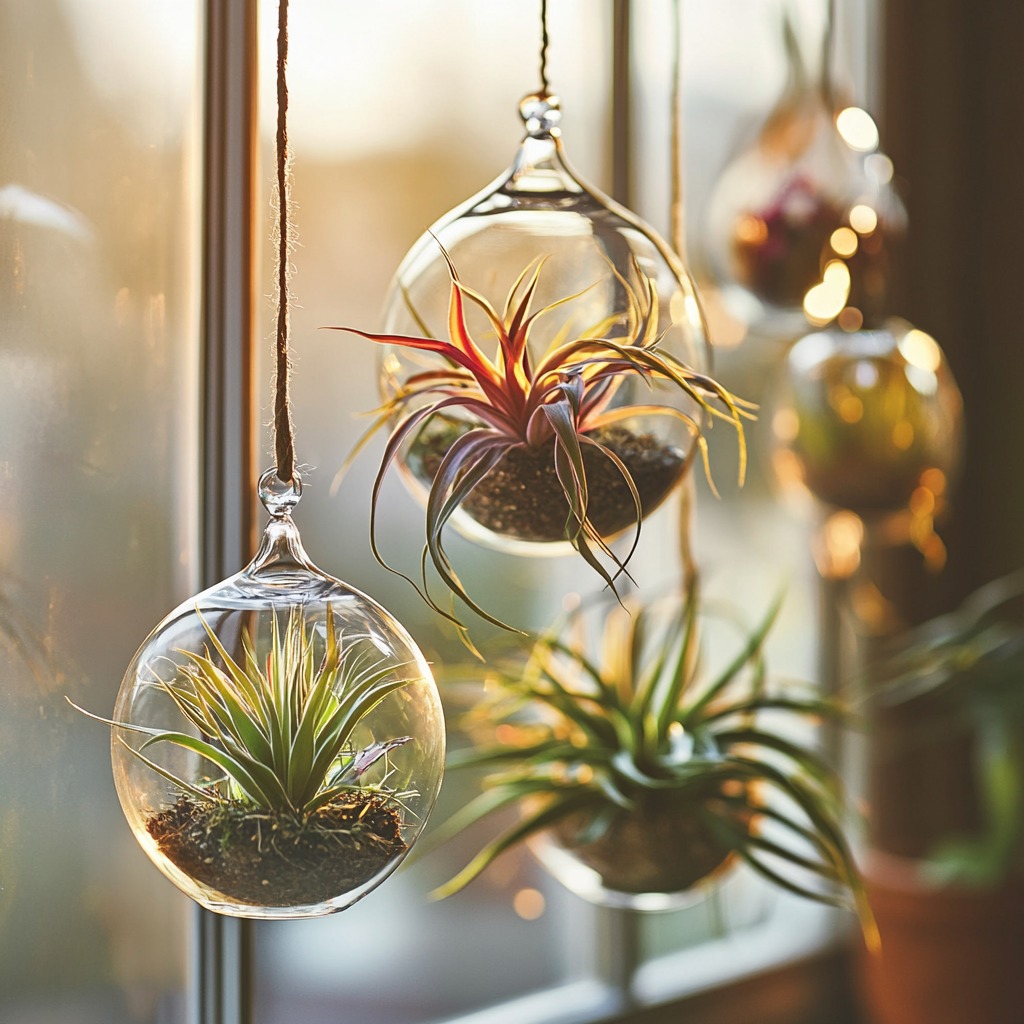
{"x": 284, "y": 814}
{"x": 652, "y": 778}
{"x": 543, "y": 449}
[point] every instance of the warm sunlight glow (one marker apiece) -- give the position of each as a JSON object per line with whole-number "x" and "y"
{"x": 880, "y": 168}
{"x": 529, "y": 904}
{"x": 935, "y": 480}
{"x": 844, "y": 242}
{"x": 850, "y": 409}
{"x": 863, "y": 219}
{"x": 903, "y": 435}
{"x": 858, "y": 129}
{"x": 788, "y": 470}
{"x": 825, "y": 301}
{"x": 836, "y": 274}
{"x": 751, "y": 230}
{"x": 921, "y": 350}
{"x": 851, "y": 319}
{"x": 922, "y": 502}
{"x": 786, "y": 424}
{"x": 838, "y": 553}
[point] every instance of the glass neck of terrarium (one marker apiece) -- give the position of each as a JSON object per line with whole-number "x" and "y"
{"x": 540, "y": 166}
{"x": 280, "y": 549}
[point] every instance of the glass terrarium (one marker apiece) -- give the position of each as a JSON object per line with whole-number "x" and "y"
{"x": 559, "y": 288}
{"x": 868, "y": 421}
{"x": 657, "y": 856}
{"x": 278, "y": 740}
{"x": 808, "y": 200}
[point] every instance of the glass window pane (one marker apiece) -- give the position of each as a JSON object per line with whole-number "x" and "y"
{"x": 98, "y": 465}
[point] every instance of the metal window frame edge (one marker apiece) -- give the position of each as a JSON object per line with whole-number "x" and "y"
{"x": 221, "y": 947}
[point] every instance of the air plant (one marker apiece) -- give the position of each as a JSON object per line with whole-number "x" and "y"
{"x": 560, "y": 407}
{"x": 650, "y": 775}
{"x": 278, "y": 737}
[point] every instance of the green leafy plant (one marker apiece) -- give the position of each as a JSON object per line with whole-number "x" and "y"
{"x": 280, "y": 731}
{"x": 561, "y": 405}
{"x": 962, "y": 675}
{"x": 285, "y": 815}
{"x": 596, "y": 749}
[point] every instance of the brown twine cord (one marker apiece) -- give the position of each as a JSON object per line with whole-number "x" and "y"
{"x": 284, "y": 435}
{"x": 545, "y": 42}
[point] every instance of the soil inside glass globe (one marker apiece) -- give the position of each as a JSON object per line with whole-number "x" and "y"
{"x": 657, "y": 848}
{"x": 276, "y": 857}
{"x": 522, "y": 497}
{"x": 278, "y": 740}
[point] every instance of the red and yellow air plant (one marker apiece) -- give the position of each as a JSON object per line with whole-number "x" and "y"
{"x": 560, "y": 402}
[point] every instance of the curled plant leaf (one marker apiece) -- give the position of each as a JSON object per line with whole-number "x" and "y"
{"x": 558, "y": 408}
{"x": 583, "y": 743}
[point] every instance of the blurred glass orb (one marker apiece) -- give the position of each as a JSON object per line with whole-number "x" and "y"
{"x": 776, "y": 240}
{"x": 594, "y": 251}
{"x": 658, "y": 857}
{"x": 867, "y": 421}
{"x": 774, "y": 208}
{"x": 861, "y": 256}
{"x": 242, "y": 655}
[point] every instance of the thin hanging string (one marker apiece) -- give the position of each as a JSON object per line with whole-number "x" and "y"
{"x": 677, "y": 239}
{"x": 284, "y": 434}
{"x": 545, "y": 42}
{"x": 677, "y": 227}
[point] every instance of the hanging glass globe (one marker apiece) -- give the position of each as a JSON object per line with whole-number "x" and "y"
{"x": 868, "y": 421}
{"x": 779, "y": 214}
{"x": 657, "y": 857}
{"x": 278, "y": 740}
{"x": 544, "y": 261}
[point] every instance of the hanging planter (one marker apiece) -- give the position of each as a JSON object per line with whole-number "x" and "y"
{"x": 545, "y": 445}
{"x": 780, "y": 212}
{"x": 548, "y": 261}
{"x": 639, "y": 784}
{"x": 550, "y": 393}
{"x": 870, "y": 422}
{"x": 277, "y": 740}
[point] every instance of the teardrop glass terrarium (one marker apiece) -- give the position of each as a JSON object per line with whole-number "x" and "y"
{"x": 544, "y": 263}
{"x": 278, "y": 740}
{"x": 782, "y": 204}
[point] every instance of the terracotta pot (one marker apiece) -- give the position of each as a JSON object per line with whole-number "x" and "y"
{"x": 950, "y": 954}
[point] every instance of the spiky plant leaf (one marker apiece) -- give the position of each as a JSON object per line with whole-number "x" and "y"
{"x": 555, "y": 405}
{"x": 636, "y": 725}
{"x": 281, "y": 728}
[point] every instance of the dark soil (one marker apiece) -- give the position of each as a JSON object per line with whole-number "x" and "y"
{"x": 521, "y": 498}
{"x": 657, "y": 849}
{"x": 276, "y": 859}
